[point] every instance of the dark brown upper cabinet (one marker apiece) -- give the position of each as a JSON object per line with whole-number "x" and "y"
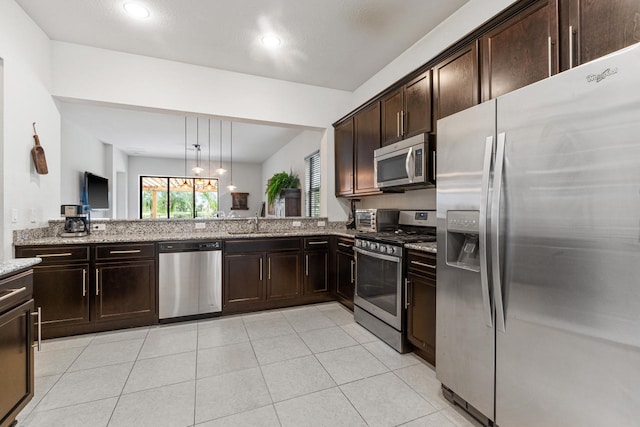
{"x": 407, "y": 110}
{"x": 456, "y": 82}
{"x": 344, "y": 148}
{"x": 521, "y": 50}
{"x": 366, "y": 125}
{"x": 590, "y": 29}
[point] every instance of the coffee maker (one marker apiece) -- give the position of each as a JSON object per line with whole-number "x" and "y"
{"x": 76, "y": 221}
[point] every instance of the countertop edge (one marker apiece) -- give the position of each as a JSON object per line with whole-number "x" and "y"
{"x": 14, "y": 265}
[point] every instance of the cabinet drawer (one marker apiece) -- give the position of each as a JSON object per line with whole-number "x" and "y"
{"x": 319, "y": 242}
{"x": 345, "y": 245}
{"x": 54, "y": 254}
{"x": 422, "y": 262}
{"x": 15, "y": 290}
{"x": 138, "y": 250}
{"x": 261, "y": 245}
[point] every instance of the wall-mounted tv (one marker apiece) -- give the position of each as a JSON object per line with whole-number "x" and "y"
{"x": 96, "y": 191}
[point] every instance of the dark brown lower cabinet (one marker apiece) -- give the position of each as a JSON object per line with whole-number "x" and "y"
{"x": 94, "y": 288}
{"x": 421, "y": 300}
{"x": 16, "y": 351}
{"x": 125, "y": 290}
{"x": 63, "y": 291}
{"x": 243, "y": 280}
{"x": 283, "y": 275}
{"x": 316, "y": 277}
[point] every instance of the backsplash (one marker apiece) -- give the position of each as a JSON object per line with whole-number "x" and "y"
{"x": 186, "y": 226}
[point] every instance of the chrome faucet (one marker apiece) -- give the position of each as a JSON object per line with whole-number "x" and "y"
{"x": 255, "y": 222}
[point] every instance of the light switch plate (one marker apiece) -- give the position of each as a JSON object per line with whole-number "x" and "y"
{"x": 297, "y": 224}
{"x": 99, "y": 227}
{"x": 14, "y": 215}
{"x": 200, "y": 225}
{"x": 321, "y": 223}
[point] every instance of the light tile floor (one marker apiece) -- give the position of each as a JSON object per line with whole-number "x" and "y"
{"x": 304, "y": 366}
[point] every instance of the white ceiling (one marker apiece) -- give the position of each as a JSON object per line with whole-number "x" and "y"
{"x": 330, "y": 43}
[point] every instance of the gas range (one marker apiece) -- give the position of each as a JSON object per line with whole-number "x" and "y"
{"x": 413, "y": 227}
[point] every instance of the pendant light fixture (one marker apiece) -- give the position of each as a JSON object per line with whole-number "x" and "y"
{"x": 197, "y": 169}
{"x": 231, "y": 187}
{"x": 221, "y": 170}
{"x": 185, "y": 184}
{"x": 209, "y": 186}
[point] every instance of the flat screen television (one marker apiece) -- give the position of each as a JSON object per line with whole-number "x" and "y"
{"x": 96, "y": 191}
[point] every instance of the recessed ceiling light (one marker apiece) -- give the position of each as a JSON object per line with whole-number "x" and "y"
{"x": 270, "y": 41}
{"x": 136, "y": 10}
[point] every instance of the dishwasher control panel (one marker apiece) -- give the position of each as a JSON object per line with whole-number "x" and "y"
{"x": 190, "y": 246}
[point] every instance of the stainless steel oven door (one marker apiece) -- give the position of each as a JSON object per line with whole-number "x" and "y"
{"x": 379, "y": 286}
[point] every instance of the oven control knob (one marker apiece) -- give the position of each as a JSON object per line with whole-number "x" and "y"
{"x": 391, "y": 250}
{"x": 373, "y": 245}
{"x": 383, "y": 248}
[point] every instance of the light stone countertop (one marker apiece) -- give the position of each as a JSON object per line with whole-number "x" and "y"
{"x": 13, "y": 265}
{"x": 163, "y": 237}
{"x": 424, "y": 246}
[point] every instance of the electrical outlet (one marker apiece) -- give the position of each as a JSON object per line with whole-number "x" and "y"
{"x": 99, "y": 227}
{"x": 296, "y": 224}
{"x": 33, "y": 215}
{"x": 321, "y": 223}
{"x": 14, "y": 215}
{"x": 200, "y": 225}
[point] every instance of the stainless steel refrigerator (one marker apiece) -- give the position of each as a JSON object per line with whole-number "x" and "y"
{"x": 538, "y": 288}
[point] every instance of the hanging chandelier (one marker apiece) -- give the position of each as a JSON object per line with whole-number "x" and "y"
{"x": 197, "y": 169}
{"x": 231, "y": 187}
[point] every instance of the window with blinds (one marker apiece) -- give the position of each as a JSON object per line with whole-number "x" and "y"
{"x": 312, "y": 184}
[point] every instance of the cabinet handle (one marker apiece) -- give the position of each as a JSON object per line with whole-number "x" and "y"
{"x": 306, "y": 265}
{"x": 402, "y": 122}
{"x": 353, "y": 264}
{"x": 398, "y": 124}
{"x": 54, "y": 255}
{"x": 549, "y": 52}
{"x": 344, "y": 245}
{"x": 269, "y": 268}
{"x": 323, "y": 242}
{"x": 570, "y": 46}
{"x": 97, "y": 284}
{"x": 39, "y": 324}
{"x": 12, "y": 293}
{"x": 407, "y": 303}
{"x": 130, "y": 251}
{"x": 84, "y": 282}
{"x": 433, "y": 167}
{"x": 260, "y": 268}
{"x": 422, "y": 264}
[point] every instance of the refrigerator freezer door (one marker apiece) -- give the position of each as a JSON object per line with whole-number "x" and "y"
{"x": 570, "y": 355}
{"x": 464, "y": 336}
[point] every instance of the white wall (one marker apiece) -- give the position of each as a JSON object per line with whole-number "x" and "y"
{"x": 291, "y": 157}
{"x": 246, "y": 176}
{"x": 26, "y": 54}
{"x": 80, "y": 152}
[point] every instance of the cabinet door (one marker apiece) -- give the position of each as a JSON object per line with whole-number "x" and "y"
{"x": 455, "y": 82}
{"x": 391, "y": 108}
{"x": 63, "y": 293}
{"x": 521, "y": 50}
{"x": 367, "y": 137}
{"x": 316, "y": 277}
{"x": 16, "y": 354}
{"x": 125, "y": 290}
{"x": 243, "y": 278}
{"x": 596, "y": 28}
{"x": 344, "y": 146}
{"x": 283, "y": 275}
{"x": 421, "y": 314}
{"x": 345, "y": 276}
{"x": 417, "y": 100}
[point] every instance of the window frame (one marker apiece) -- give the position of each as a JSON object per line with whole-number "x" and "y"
{"x": 310, "y": 172}
{"x": 168, "y": 179}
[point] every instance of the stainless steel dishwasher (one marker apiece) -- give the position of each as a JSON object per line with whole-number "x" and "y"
{"x": 190, "y": 278}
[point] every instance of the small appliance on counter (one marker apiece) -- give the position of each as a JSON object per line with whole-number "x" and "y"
{"x": 76, "y": 221}
{"x": 376, "y": 220}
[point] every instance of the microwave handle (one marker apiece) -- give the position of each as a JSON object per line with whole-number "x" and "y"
{"x": 409, "y": 165}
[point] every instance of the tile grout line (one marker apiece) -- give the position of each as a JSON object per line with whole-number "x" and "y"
{"x": 113, "y": 411}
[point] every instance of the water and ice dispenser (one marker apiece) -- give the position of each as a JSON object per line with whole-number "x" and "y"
{"x": 463, "y": 239}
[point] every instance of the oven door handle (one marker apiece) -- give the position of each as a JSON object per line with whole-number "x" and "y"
{"x": 377, "y": 255}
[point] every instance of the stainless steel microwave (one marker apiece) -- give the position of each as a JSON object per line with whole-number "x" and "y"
{"x": 407, "y": 163}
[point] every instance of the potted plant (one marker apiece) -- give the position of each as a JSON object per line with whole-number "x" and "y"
{"x": 285, "y": 185}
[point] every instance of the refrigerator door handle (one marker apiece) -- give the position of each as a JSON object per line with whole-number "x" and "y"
{"x": 495, "y": 232}
{"x": 482, "y": 228}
